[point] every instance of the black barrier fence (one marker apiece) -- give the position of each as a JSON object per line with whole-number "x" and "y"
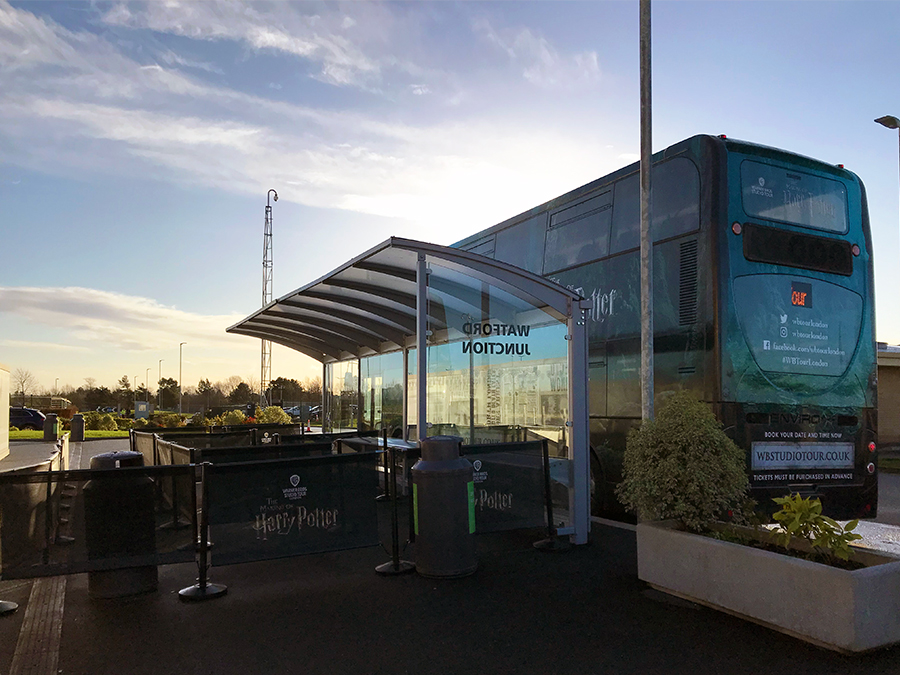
{"x": 175, "y": 495}
{"x": 109, "y": 521}
{"x": 288, "y": 507}
{"x": 290, "y": 439}
{"x": 287, "y": 500}
{"x": 508, "y": 485}
{"x": 261, "y": 453}
{"x": 142, "y": 441}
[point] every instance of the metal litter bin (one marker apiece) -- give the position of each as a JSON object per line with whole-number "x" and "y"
{"x": 51, "y": 427}
{"x": 443, "y": 493}
{"x": 120, "y": 526}
{"x": 77, "y": 428}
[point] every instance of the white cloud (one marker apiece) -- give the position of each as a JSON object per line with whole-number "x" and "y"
{"x": 321, "y": 38}
{"x": 29, "y": 344}
{"x": 89, "y": 317}
{"x": 540, "y": 62}
{"x": 107, "y": 112}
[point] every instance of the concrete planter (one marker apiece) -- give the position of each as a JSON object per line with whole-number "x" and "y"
{"x": 833, "y": 608}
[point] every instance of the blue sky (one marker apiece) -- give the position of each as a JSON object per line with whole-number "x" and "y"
{"x": 138, "y": 141}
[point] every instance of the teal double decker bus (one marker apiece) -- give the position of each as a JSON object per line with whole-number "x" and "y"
{"x": 763, "y": 307}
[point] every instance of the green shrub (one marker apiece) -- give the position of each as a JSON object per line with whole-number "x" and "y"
{"x": 140, "y": 422}
{"x": 92, "y": 420}
{"x": 273, "y": 415}
{"x": 803, "y": 518}
{"x": 199, "y": 420}
{"x": 124, "y": 423}
{"x": 168, "y": 420}
{"x": 107, "y": 423}
{"x": 14, "y": 428}
{"x": 233, "y": 417}
{"x": 683, "y": 466}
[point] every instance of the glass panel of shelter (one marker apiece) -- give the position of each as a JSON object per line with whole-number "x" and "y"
{"x": 497, "y": 372}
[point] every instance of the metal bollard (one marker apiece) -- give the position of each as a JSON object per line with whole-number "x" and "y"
{"x": 77, "y": 428}
{"x": 51, "y": 428}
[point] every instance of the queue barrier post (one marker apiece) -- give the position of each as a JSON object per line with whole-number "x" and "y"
{"x": 203, "y": 590}
{"x": 395, "y": 565}
{"x": 552, "y": 543}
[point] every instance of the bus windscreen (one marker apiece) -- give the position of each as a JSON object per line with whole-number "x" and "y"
{"x": 790, "y": 196}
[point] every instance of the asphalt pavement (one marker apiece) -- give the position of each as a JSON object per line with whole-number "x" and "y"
{"x": 523, "y": 611}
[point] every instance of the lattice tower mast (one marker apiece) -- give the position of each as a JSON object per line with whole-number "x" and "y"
{"x": 265, "y": 371}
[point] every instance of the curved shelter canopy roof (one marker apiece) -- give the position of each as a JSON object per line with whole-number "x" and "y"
{"x": 368, "y": 305}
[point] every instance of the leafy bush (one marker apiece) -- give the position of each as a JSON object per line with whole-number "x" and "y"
{"x": 140, "y": 423}
{"x": 106, "y": 422}
{"x": 683, "y": 466}
{"x": 198, "y": 419}
{"x": 273, "y": 415}
{"x": 123, "y": 423}
{"x": 14, "y": 428}
{"x": 803, "y": 518}
{"x": 233, "y": 417}
{"x": 92, "y": 420}
{"x": 168, "y": 420}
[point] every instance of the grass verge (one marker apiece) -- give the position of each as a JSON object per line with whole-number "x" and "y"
{"x": 38, "y": 435}
{"x": 889, "y": 464}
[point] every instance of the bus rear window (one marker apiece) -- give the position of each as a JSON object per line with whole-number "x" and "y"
{"x": 793, "y": 249}
{"x": 794, "y": 197}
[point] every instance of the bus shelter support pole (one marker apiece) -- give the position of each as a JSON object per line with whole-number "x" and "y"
{"x": 577, "y": 424}
{"x": 421, "y": 348}
{"x": 203, "y": 590}
{"x": 395, "y": 565}
{"x": 405, "y": 431}
{"x": 386, "y": 493}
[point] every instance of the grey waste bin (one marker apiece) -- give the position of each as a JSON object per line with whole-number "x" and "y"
{"x": 51, "y": 427}
{"x": 77, "y": 428}
{"x": 443, "y": 492}
{"x": 120, "y": 525}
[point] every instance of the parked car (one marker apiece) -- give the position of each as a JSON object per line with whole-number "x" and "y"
{"x": 26, "y": 418}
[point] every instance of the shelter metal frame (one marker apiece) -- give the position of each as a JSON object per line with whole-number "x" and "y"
{"x": 379, "y": 302}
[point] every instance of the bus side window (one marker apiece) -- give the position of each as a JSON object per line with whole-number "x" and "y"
{"x": 597, "y": 384}
{"x": 523, "y": 243}
{"x": 624, "y": 378}
{"x": 578, "y": 234}
{"x": 675, "y": 185}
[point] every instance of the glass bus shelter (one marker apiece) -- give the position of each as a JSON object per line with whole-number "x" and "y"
{"x": 421, "y": 340}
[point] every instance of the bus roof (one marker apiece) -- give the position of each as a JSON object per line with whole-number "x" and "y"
{"x": 730, "y": 144}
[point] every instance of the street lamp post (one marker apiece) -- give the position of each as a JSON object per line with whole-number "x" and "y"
{"x": 180, "y": 345}
{"x": 56, "y": 387}
{"x": 159, "y": 387}
{"x": 147, "y": 384}
{"x": 890, "y": 122}
{"x": 134, "y": 401}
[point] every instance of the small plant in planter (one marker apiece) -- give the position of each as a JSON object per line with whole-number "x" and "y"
{"x": 682, "y": 466}
{"x": 802, "y": 518}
